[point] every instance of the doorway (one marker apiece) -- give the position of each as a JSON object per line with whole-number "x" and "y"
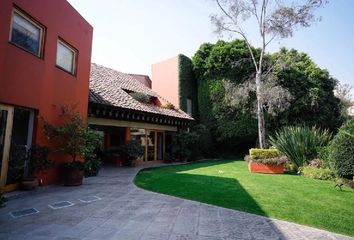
{"x": 6, "y": 120}
{"x": 16, "y": 132}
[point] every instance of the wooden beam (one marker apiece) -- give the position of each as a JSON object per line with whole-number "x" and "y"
{"x": 121, "y": 123}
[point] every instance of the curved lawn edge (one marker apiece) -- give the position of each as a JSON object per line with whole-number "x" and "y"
{"x": 214, "y": 182}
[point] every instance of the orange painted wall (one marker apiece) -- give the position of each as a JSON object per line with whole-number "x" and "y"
{"x": 165, "y": 79}
{"x": 29, "y": 81}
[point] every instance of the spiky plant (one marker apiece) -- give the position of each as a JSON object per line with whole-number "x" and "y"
{"x": 300, "y": 144}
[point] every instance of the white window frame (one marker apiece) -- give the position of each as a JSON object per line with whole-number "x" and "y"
{"x": 33, "y": 22}
{"x": 74, "y": 61}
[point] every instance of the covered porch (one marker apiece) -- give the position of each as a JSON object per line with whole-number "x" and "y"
{"x": 155, "y": 139}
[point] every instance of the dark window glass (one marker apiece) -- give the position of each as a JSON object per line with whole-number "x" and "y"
{"x": 26, "y": 34}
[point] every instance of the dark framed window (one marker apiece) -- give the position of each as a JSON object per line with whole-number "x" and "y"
{"x": 26, "y": 33}
{"x": 66, "y": 57}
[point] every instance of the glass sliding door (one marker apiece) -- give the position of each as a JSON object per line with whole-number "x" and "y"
{"x": 6, "y": 120}
{"x": 151, "y": 145}
{"x": 21, "y": 142}
{"x": 152, "y": 140}
{"x": 160, "y": 145}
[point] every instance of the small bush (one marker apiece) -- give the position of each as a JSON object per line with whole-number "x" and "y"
{"x": 258, "y": 153}
{"x": 341, "y": 155}
{"x": 141, "y": 97}
{"x": 316, "y": 163}
{"x": 272, "y": 161}
{"x": 317, "y": 173}
{"x": 131, "y": 151}
{"x": 92, "y": 166}
{"x": 169, "y": 106}
{"x": 300, "y": 144}
{"x": 323, "y": 154}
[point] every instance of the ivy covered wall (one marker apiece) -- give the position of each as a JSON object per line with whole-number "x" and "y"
{"x": 187, "y": 84}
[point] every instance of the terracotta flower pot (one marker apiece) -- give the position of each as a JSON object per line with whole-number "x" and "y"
{"x": 9, "y": 188}
{"x": 265, "y": 168}
{"x": 73, "y": 177}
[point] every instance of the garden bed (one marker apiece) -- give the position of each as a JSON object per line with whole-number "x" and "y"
{"x": 265, "y": 168}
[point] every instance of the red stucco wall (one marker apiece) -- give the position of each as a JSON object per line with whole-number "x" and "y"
{"x": 28, "y": 81}
{"x": 165, "y": 79}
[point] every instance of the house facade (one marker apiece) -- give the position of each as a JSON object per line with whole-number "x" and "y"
{"x": 174, "y": 78}
{"x": 123, "y": 108}
{"x": 45, "y": 54}
{"x": 45, "y": 64}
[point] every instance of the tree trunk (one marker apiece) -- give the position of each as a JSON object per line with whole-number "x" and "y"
{"x": 260, "y": 113}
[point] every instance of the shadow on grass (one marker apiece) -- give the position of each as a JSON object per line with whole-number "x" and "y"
{"x": 220, "y": 191}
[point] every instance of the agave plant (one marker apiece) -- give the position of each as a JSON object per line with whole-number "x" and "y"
{"x": 300, "y": 144}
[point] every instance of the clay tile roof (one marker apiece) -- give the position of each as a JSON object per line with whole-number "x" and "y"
{"x": 144, "y": 79}
{"x": 109, "y": 87}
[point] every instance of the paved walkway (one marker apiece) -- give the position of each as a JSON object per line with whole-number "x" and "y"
{"x": 127, "y": 212}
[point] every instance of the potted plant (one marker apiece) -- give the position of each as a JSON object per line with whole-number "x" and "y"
{"x": 266, "y": 161}
{"x": 92, "y": 153}
{"x": 36, "y": 162}
{"x": 130, "y": 152}
{"x": 71, "y": 138}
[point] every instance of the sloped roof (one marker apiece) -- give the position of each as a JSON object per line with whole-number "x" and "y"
{"x": 144, "y": 79}
{"x": 109, "y": 87}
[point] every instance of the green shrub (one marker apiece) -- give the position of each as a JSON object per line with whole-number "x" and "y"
{"x": 141, "y": 97}
{"x": 92, "y": 144}
{"x": 258, "y": 153}
{"x": 2, "y": 200}
{"x": 317, "y": 173}
{"x": 272, "y": 161}
{"x": 131, "y": 151}
{"x": 323, "y": 154}
{"x": 184, "y": 144}
{"x": 300, "y": 144}
{"x": 342, "y": 151}
{"x": 92, "y": 166}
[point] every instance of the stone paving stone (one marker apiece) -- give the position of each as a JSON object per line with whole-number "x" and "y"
{"x": 209, "y": 222}
{"x": 126, "y": 212}
{"x": 175, "y": 236}
{"x": 101, "y": 233}
{"x": 186, "y": 221}
{"x": 133, "y": 230}
{"x": 155, "y": 236}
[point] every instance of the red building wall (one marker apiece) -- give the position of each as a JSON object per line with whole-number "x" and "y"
{"x": 32, "y": 82}
{"x": 165, "y": 79}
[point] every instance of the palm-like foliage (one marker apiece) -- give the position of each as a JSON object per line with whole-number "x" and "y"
{"x": 300, "y": 144}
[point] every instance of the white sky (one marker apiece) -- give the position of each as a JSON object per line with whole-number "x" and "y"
{"x": 130, "y": 35}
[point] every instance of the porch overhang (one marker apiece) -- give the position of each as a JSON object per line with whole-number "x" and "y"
{"x": 100, "y": 114}
{"x": 130, "y": 124}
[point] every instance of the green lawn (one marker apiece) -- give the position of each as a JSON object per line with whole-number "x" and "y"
{"x": 229, "y": 184}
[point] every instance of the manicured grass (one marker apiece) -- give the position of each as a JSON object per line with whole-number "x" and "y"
{"x": 230, "y": 185}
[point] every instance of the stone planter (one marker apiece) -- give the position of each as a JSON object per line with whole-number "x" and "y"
{"x": 265, "y": 168}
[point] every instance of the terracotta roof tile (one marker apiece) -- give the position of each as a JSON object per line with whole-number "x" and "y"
{"x": 109, "y": 87}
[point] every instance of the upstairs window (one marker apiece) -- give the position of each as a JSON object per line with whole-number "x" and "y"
{"x": 66, "y": 57}
{"x": 26, "y": 34}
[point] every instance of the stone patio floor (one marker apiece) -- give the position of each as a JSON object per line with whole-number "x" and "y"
{"x": 127, "y": 212}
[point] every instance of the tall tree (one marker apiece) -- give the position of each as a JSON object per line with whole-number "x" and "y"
{"x": 344, "y": 93}
{"x": 275, "y": 20}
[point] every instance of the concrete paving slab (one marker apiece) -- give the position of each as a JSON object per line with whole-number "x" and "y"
{"x": 126, "y": 212}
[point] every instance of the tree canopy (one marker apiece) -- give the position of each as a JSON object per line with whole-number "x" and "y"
{"x": 313, "y": 102}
